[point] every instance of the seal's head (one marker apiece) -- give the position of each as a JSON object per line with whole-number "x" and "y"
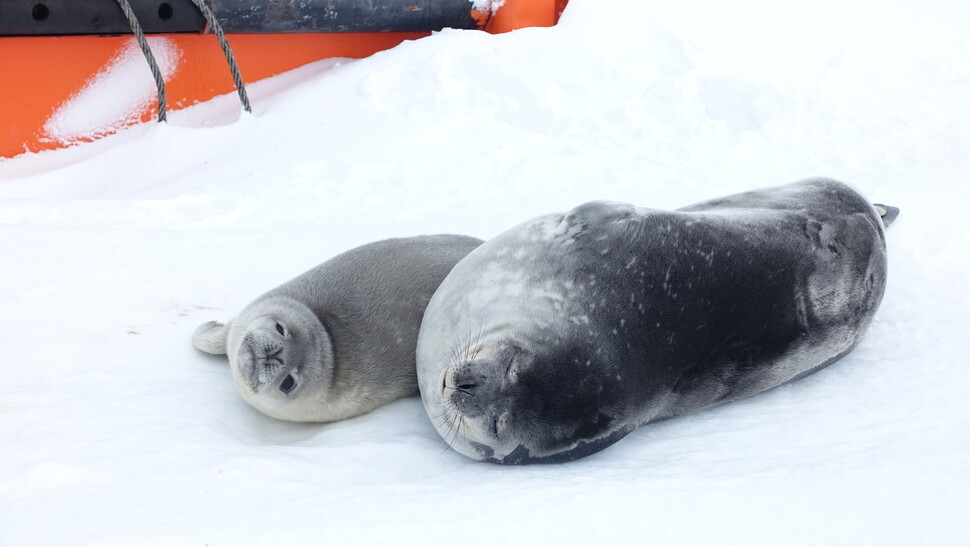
{"x": 281, "y": 358}
{"x": 506, "y": 403}
{"x": 513, "y": 366}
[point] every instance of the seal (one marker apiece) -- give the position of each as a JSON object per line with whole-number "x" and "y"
{"x": 558, "y": 337}
{"x": 338, "y": 340}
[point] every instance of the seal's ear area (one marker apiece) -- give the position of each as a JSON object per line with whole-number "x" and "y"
{"x": 210, "y": 337}
{"x": 887, "y": 212}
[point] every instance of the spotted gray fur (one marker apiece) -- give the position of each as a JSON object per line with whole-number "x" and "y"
{"x": 558, "y": 337}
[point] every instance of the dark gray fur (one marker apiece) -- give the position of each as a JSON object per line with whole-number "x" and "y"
{"x": 625, "y": 316}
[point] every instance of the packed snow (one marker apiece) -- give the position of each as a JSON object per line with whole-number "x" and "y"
{"x": 115, "y": 431}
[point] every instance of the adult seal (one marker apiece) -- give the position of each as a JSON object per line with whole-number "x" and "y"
{"x": 558, "y": 337}
{"x": 338, "y": 340}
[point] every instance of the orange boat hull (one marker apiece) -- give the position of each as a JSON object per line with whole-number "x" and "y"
{"x": 43, "y": 74}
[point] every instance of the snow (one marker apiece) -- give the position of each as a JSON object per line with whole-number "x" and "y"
{"x": 490, "y": 5}
{"x": 115, "y": 431}
{"x": 88, "y": 115}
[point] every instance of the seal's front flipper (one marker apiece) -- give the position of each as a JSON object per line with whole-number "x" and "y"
{"x": 210, "y": 337}
{"x": 887, "y": 212}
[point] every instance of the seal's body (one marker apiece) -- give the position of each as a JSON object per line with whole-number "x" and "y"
{"x": 560, "y": 336}
{"x": 338, "y": 340}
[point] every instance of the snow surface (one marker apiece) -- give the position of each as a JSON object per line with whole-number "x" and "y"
{"x": 115, "y": 431}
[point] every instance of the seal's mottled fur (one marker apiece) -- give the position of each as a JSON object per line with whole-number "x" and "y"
{"x": 558, "y": 337}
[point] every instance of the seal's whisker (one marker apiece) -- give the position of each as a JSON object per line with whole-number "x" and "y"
{"x": 469, "y": 344}
{"x": 462, "y": 349}
{"x": 439, "y": 419}
{"x": 478, "y": 340}
{"x": 444, "y": 438}
{"x": 456, "y": 351}
{"x": 458, "y": 430}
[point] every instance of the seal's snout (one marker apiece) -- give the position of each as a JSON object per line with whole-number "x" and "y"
{"x": 274, "y": 356}
{"x": 262, "y": 350}
{"x": 473, "y": 385}
{"x": 259, "y": 360}
{"x": 469, "y": 381}
{"x": 468, "y": 385}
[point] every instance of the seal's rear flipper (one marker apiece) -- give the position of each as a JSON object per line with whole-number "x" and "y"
{"x": 887, "y": 212}
{"x": 210, "y": 337}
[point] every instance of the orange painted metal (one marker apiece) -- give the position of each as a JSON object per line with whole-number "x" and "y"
{"x": 40, "y": 74}
{"x": 520, "y": 14}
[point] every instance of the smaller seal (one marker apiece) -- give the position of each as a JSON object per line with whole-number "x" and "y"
{"x": 338, "y": 340}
